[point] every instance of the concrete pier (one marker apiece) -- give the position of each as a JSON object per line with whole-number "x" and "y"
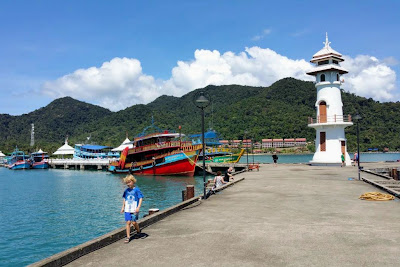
{"x": 79, "y": 164}
{"x": 289, "y": 215}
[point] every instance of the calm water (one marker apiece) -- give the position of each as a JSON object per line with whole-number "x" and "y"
{"x": 44, "y": 212}
{"x": 305, "y": 158}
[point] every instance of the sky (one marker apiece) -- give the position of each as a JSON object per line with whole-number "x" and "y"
{"x": 116, "y": 54}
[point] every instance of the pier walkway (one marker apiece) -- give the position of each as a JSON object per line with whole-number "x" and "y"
{"x": 289, "y": 215}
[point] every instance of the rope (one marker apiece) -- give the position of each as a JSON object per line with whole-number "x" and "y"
{"x": 376, "y": 196}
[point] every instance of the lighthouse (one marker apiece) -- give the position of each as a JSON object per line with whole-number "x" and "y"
{"x": 329, "y": 123}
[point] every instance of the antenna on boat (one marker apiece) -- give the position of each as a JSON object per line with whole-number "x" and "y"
{"x": 32, "y": 135}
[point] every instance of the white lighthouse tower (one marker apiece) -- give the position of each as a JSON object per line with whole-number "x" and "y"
{"x": 330, "y": 122}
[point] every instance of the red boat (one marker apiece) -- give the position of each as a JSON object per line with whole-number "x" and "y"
{"x": 158, "y": 154}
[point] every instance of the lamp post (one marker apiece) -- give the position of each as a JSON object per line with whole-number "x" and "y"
{"x": 357, "y": 117}
{"x": 247, "y": 149}
{"x": 201, "y": 100}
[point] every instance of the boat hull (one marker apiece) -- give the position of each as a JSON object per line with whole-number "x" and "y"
{"x": 40, "y": 165}
{"x": 178, "y": 164}
{"x": 227, "y": 158}
{"x": 19, "y": 166}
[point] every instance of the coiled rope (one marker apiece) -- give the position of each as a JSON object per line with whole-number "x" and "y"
{"x": 376, "y": 196}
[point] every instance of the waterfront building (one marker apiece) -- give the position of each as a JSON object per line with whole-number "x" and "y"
{"x": 2, "y": 158}
{"x": 329, "y": 122}
{"x": 126, "y": 143}
{"x": 277, "y": 142}
{"x": 289, "y": 142}
{"x": 236, "y": 143}
{"x": 224, "y": 143}
{"x": 266, "y": 143}
{"x": 300, "y": 142}
{"x": 65, "y": 150}
{"x": 246, "y": 143}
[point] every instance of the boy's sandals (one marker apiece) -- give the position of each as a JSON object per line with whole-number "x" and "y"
{"x": 127, "y": 240}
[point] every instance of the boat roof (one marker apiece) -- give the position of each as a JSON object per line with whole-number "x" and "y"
{"x": 208, "y": 134}
{"x": 94, "y": 147}
{"x": 157, "y": 135}
{"x": 39, "y": 152}
{"x": 211, "y": 134}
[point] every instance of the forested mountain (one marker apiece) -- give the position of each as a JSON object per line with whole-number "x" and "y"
{"x": 278, "y": 111}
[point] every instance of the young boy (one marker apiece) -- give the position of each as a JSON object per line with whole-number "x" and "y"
{"x": 131, "y": 205}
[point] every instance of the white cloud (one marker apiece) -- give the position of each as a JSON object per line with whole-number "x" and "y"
{"x": 369, "y": 77}
{"x": 262, "y": 35}
{"x": 121, "y": 83}
{"x": 117, "y": 84}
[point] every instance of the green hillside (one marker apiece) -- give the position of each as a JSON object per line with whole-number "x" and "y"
{"x": 278, "y": 111}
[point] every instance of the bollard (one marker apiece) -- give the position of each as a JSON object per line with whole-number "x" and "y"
{"x": 151, "y": 211}
{"x": 395, "y": 174}
{"x": 189, "y": 191}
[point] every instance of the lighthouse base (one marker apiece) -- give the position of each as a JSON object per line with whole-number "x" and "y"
{"x": 325, "y": 159}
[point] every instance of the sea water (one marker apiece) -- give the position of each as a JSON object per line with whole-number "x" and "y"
{"x": 44, "y": 212}
{"x": 305, "y": 158}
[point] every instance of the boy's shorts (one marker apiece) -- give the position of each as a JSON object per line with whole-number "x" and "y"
{"x": 133, "y": 217}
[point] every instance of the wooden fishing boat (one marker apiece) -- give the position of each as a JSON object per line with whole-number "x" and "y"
{"x": 40, "y": 160}
{"x": 158, "y": 153}
{"x": 214, "y": 151}
{"x": 19, "y": 161}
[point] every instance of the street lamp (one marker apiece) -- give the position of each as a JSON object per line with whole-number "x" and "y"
{"x": 201, "y": 100}
{"x": 247, "y": 149}
{"x": 357, "y": 118}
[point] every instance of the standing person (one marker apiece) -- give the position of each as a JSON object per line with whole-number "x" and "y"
{"x": 228, "y": 174}
{"x": 219, "y": 180}
{"x": 131, "y": 205}
{"x": 342, "y": 157}
{"x": 275, "y": 159}
{"x": 355, "y": 158}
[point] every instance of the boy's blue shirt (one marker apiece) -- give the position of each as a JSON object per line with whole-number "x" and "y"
{"x": 132, "y": 197}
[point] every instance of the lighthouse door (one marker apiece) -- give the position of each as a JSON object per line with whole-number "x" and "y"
{"x": 322, "y": 112}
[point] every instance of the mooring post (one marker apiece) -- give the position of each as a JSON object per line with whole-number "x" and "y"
{"x": 395, "y": 174}
{"x": 189, "y": 192}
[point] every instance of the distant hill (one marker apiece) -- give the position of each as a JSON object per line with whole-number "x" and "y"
{"x": 278, "y": 111}
{"x": 61, "y": 117}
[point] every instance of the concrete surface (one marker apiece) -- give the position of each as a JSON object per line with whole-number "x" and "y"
{"x": 289, "y": 215}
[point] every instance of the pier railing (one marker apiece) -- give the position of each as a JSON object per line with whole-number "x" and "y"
{"x": 185, "y": 145}
{"x": 330, "y": 119}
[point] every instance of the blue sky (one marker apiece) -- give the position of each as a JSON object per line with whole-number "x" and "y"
{"x": 119, "y": 53}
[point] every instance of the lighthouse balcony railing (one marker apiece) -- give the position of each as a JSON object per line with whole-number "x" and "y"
{"x": 330, "y": 119}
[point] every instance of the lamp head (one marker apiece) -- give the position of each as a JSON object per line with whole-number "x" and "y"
{"x": 201, "y": 99}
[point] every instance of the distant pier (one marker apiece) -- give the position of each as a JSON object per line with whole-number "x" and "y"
{"x": 101, "y": 164}
{"x": 79, "y": 164}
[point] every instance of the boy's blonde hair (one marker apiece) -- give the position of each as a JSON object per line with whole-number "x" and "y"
{"x": 130, "y": 177}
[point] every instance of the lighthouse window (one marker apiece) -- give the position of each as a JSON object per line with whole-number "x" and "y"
{"x": 337, "y": 77}
{"x": 322, "y": 77}
{"x": 323, "y": 62}
{"x": 335, "y": 62}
